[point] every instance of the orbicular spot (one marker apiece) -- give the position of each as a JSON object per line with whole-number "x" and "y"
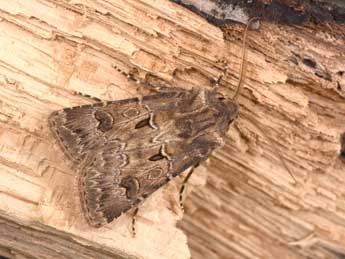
{"x": 131, "y": 185}
{"x": 131, "y": 112}
{"x": 154, "y": 173}
{"x": 105, "y": 119}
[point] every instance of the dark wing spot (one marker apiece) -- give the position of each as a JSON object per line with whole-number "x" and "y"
{"x": 78, "y": 131}
{"x": 132, "y": 187}
{"x": 105, "y": 119}
{"x": 156, "y": 157}
{"x": 143, "y": 123}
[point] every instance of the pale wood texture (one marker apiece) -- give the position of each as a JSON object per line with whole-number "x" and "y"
{"x": 250, "y": 207}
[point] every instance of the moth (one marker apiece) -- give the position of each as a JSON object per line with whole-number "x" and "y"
{"x": 128, "y": 149}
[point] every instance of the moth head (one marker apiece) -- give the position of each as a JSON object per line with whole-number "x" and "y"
{"x": 227, "y": 109}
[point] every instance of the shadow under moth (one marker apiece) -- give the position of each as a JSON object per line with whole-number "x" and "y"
{"x": 127, "y": 149}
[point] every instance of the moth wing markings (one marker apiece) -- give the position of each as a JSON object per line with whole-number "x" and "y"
{"x": 142, "y": 176}
{"x": 105, "y": 197}
{"x": 107, "y": 190}
{"x": 77, "y": 129}
{"x": 105, "y": 185}
{"x": 67, "y": 125}
{"x": 99, "y": 184}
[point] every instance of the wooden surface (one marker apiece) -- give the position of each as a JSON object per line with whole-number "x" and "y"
{"x": 249, "y": 207}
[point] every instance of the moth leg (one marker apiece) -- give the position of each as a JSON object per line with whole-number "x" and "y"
{"x": 183, "y": 187}
{"x": 134, "y": 219}
{"x": 88, "y": 96}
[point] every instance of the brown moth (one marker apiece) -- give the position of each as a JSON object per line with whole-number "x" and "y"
{"x": 127, "y": 149}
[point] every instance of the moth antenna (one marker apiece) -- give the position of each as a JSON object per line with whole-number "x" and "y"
{"x": 244, "y": 59}
{"x": 183, "y": 187}
{"x": 239, "y": 86}
{"x": 134, "y": 219}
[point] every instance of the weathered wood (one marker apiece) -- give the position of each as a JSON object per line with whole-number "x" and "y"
{"x": 41, "y": 241}
{"x": 250, "y": 207}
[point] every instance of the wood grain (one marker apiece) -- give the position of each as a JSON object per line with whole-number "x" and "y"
{"x": 242, "y": 203}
